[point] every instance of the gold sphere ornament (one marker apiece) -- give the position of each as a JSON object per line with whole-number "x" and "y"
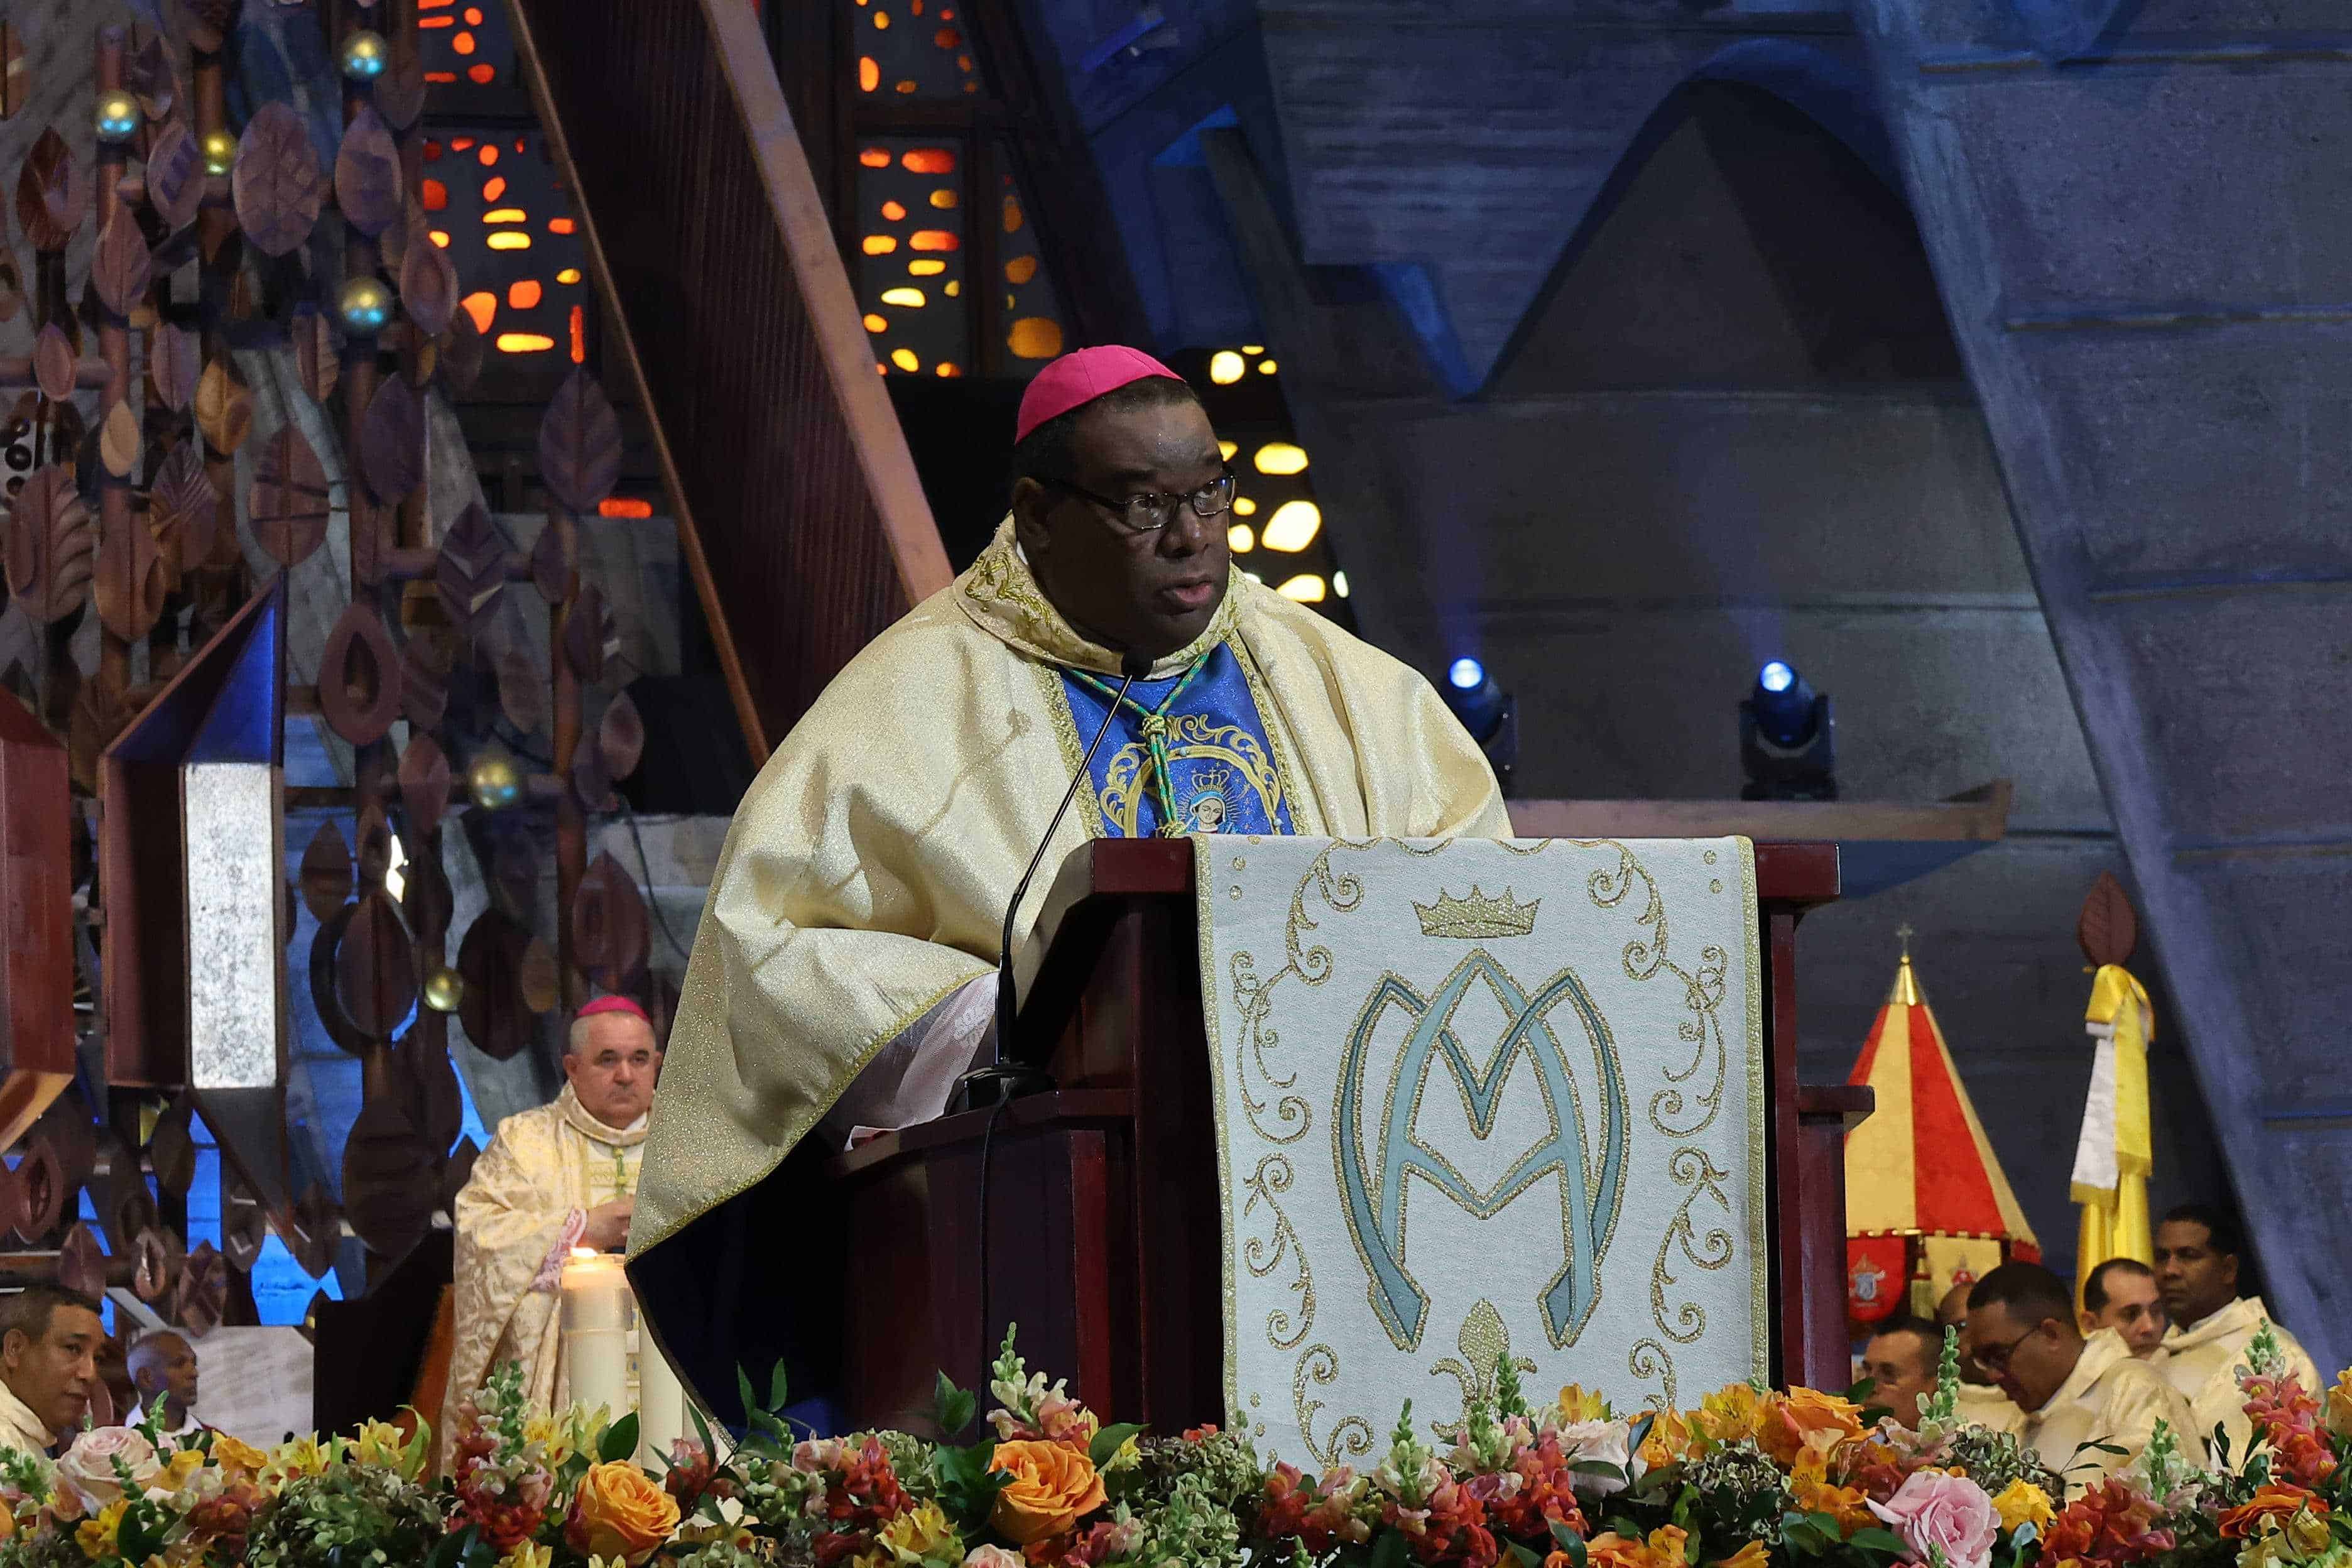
{"x": 118, "y": 116}
{"x": 493, "y": 780}
{"x": 445, "y": 988}
{"x": 364, "y": 55}
{"x": 220, "y": 151}
{"x": 366, "y": 305}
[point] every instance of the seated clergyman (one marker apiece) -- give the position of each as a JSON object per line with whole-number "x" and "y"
{"x": 1901, "y": 1361}
{"x": 2120, "y": 1294}
{"x": 553, "y": 1179}
{"x": 2090, "y": 1405}
{"x": 843, "y": 972}
{"x": 48, "y": 1366}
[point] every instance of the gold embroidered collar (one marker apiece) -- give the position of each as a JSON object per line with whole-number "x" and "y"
{"x": 1004, "y": 599}
{"x": 575, "y": 1116}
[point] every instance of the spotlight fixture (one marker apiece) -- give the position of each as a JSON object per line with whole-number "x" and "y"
{"x": 1788, "y": 738}
{"x": 1487, "y": 712}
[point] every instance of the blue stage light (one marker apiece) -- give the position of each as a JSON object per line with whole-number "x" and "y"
{"x": 1467, "y": 675}
{"x": 1777, "y": 676}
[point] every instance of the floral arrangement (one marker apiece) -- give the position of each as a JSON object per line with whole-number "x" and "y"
{"x": 1750, "y": 1478}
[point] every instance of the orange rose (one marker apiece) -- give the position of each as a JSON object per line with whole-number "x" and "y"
{"x": 1053, "y": 1487}
{"x": 231, "y": 1455}
{"x": 2274, "y": 1504}
{"x": 1806, "y": 1418}
{"x": 620, "y": 1512}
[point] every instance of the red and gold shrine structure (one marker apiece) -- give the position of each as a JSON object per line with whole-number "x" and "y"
{"x": 1926, "y": 1203}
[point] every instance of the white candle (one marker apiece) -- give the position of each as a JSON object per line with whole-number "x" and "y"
{"x": 661, "y": 1404}
{"x": 597, "y": 1308}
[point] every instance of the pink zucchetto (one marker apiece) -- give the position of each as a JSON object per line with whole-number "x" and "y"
{"x": 1078, "y": 379}
{"x": 613, "y": 1005}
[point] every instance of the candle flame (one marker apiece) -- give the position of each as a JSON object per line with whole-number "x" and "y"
{"x": 585, "y": 1252}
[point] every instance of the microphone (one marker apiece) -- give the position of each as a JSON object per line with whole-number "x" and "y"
{"x": 1132, "y": 667}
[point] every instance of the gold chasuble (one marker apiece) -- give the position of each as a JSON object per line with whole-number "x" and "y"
{"x": 865, "y": 879}
{"x": 518, "y": 1216}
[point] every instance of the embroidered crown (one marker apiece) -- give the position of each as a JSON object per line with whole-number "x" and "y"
{"x": 1477, "y": 915}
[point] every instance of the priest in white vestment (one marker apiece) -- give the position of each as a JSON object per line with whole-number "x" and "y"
{"x": 560, "y": 1177}
{"x": 2198, "y": 1256}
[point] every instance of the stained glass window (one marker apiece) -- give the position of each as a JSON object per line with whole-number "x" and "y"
{"x": 466, "y": 41}
{"x": 913, "y": 50}
{"x": 913, "y": 262}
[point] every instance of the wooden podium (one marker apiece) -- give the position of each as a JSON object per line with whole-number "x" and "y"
{"x": 1103, "y": 1235}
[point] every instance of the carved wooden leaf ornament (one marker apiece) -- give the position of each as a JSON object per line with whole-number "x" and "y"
{"x": 458, "y": 1170}
{"x": 13, "y": 1217}
{"x": 224, "y": 407}
{"x": 318, "y": 1230}
{"x": 424, "y": 690}
{"x": 495, "y": 1014}
{"x": 201, "y": 1296}
{"x": 118, "y": 266}
{"x": 132, "y": 582}
{"x": 118, "y": 440}
{"x": 289, "y": 500}
{"x": 462, "y": 352}
{"x": 579, "y": 444}
{"x": 514, "y": 871}
{"x": 176, "y": 175}
{"x": 51, "y": 194}
{"x": 358, "y": 677}
{"x": 15, "y": 76}
{"x": 608, "y": 918}
{"x": 376, "y": 967}
{"x": 592, "y": 636}
{"x": 391, "y": 441}
{"x": 82, "y": 1262}
{"x": 400, "y": 90}
{"x": 621, "y": 736}
{"x": 368, "y": 185}
{"x": 316, "y": 358}
{"x": 438, "y": 1097}
{"x": 52, "y": 545}
{"x": 149, "y": 74}
{"x": 2107, "y": 930}
{"x": 371, "y": 844}
{"x": 43, "y": 1182}
{"x": 277, "y": 184}
{"x": 154, "y": 1262}
{"x": 389, "y": 1186}
{"x": 244, "y": 1228}
{"x": 471, "y": 571}
{"x": 592, "y": 785}
{"x": 130, "y": 1211}
{"x": 428, "y": 287}
{"x": 11, "y": 283}
{"x": 181, "y": 506}
{"x": 551, "y": 565}
{"x": 425, "y": 782}
{"x": 53, "y": 364}
{"x": 174, "y": 360}
{"x": 326, "y": 873}
{"x": 172, "y": 1147}
{"x": 522, "y": 694}
{"x": 426, "y": 901}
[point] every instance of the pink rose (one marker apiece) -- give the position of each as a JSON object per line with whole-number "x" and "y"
{"x": 87, "y": 1469}
{"x": 1934, "y": 1511}
{"x": 994, "y": 1557}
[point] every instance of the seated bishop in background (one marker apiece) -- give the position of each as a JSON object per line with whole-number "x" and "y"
{"x": 562, "y": 1176}
{"x": 843, "y": 974}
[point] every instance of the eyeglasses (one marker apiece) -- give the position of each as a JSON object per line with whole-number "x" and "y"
{"x": 1995, "y": 1357}
{"x": 1155, "y": 509}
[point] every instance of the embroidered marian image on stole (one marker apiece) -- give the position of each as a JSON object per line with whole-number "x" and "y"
{"x": 1475, "y": 1100}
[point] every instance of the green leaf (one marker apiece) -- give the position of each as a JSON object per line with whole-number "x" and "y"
{"x": 1640, "y": 1433}
{"x": 1599, "y": 1467}
{"x": 1876, "y": 1540}
{"x": 1570, "y": 1543}
{"x": 1523, "y": 1557}
{"x": 453, "y": 1548}
{"x": 620, "y": 1440}
{"x": 1862, "y": 1391}
{"x": 951, "y": 1407}
{"x": 1390, "y": 1550}
{"x": 777, "y": 1386}
{"x": 702, "y": 1430}
{"x": 1107, "y": 1442}
{"x": 743, "y": 1392}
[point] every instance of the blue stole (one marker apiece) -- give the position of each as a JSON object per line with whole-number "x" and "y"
{"x": 1221, "y": 769}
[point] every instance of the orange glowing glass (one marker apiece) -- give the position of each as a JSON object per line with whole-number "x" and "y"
{"x": 434, "y": 194}
{"x": 624, "y": 506}
{"x": 473, "y": 15}
{"x": 494, "y": 188}
{"x": 439, "y": 237}
{"x": 579, "y": 325}
{"x": 523, "y": 342}
{"x": 523, "y": 294}
{"x": 948, "y": 39}
{"x": 462, "y": 43}
{"x": 440, "y": 75}
{"x": 461, "y": 144}
{"x": 869, "y": 73}
{"x": 483, "y": 307}
{"x": 929, "y": 161}
{"x": 1012, "y": 215}
{"x": 894, "y": 211}
{"x": 874, "y": 157}
{"x": 561, "y": 226}
{"x": 489, "y": 155}
{"x": 482, "y": 74}
{"x": 880, "y": 244}
{"x": 432, "y": 151}
{"x": 436, "y": 21}
{"x": 935, "y": 239}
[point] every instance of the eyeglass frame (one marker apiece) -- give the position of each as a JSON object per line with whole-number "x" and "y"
{"x": 1122, "y": 509}
{"x": 2007, "y": 1351}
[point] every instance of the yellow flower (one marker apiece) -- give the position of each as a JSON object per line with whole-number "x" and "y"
{"x": 1809, "y": 1479}
{"x": 1125, "y": 1457}
{"x": 920, "y": 1532}
{"x": 179, "y": 1469}
{"x": 231, "y": 1454}
{"x": 1669, "y": 1439}
{"x": 2023, "y": 1502}
{"x": 529, "y": 1554}
{"x": 1730, "y": 1414}
{"x": 299, "y": 1458}
{"x": 2339, "y": 1405}
{"x": 1052, "y": 1488}
{"x": 1751, "y": 1555}
{"x": 1806, "y": 1418}
{"x": 96, "y": 1536}
{"x": 1576, "y": 1404}
{"x": 380, "y": 1443}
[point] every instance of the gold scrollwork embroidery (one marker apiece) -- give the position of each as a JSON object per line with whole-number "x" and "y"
{"x": 1262, "y": 1254}
{"x": 1689, "y": 1167}
{"x": 1648, "y": 1358}
{"x": 1349, "y": 1438}
{"x": 1253, "y": 999}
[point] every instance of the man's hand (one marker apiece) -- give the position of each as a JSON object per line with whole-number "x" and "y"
{"x": 608, "y": 1225}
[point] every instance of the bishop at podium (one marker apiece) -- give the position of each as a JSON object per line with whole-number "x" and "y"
{"x": 844, "y": 971}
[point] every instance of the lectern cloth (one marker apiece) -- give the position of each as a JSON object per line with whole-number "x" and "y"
{"x": 866, "y": 876}
{"x": 1546, "y": 1055}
